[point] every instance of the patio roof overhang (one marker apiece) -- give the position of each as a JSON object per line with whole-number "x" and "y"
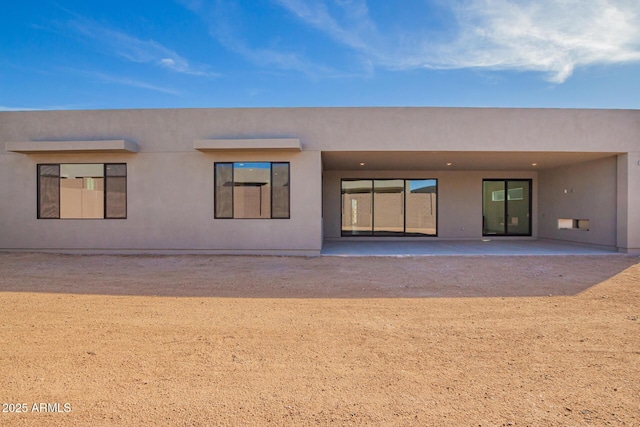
{"x": 254, "y": 144}
{"x": 66, "y": 147}
{"x": 455, "y": 160}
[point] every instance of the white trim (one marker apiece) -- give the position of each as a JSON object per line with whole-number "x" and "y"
{"x": 95, "y": 146}
{"x": 255, "y": 144}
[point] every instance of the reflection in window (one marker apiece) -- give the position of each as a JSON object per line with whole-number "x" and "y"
{"x": 389, "y": 207}
{"x": 493, "y": 207}
{"x": 80, "y": 191}
{"x": 251, "y": 190}
{"x": 514, "y": 194}
{"x": 48, "y": 191}
{"x": 421, "y": 202}
{"x": 506, "y": 217}
{"x": 224, "y": 190}
{"x": 280, "y": 190}
{"x": 357, "y": 207}
{"x": 116, "y": 191}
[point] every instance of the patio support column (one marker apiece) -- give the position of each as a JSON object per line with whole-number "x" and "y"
{"x": 628, "y": 219}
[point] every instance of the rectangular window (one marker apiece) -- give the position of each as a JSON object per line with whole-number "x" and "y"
{"x": 224, "y": 190}
{"x": 48, "y": 191}
{"x": 82, "y": 191}
{"x": 251, "y": 190}
{"x": 510, "y": 217}
{"x": 389, "y": 207}
{"x": 116, "y": 191}
{"x": 280, "y": 190}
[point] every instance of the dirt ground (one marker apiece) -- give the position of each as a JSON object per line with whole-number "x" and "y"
{"x": 217, "y": 340}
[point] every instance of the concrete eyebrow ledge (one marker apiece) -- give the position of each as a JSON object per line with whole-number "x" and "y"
{"x": 96, "y": 146}
{"x": 270, "y": 144}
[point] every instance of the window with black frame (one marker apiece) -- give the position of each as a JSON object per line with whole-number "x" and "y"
{"x": 251, "y": 190}
{"x": 82, "y": 191}
{"x": 389, "y": 207}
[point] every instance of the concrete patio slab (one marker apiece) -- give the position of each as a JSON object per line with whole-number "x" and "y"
{"x": 459, "y": 248}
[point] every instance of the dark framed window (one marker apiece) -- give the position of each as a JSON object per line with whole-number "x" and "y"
{"x": 251, "y": 190}
{"x": 506, "y": 207}
{"x": 82, "y": 191}
{"x": 389, "y": 207}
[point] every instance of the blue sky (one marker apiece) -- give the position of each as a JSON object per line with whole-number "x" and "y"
{"x": 84, "y": 54}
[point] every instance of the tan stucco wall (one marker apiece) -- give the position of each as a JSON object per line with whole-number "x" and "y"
{"x": 170, "y": 184}
{"x": 459, "y": 198}
{"x": 581, "y": 191}
{"x": 336, "y": 129}
{"x": 170, "y": 207}
{"x": 628, "y": 198}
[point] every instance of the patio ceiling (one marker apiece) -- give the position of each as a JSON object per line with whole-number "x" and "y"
{"x": 454, "y": 160}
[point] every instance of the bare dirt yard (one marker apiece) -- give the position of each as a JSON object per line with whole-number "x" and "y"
{"x": 217, "y": 340}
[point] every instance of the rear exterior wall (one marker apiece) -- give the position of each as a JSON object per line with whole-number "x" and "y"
{"x": 170, "y": 184}
{"x": 584, "y": 191}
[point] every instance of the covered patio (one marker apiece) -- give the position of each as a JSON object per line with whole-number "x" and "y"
{"x": 480, "y": 203}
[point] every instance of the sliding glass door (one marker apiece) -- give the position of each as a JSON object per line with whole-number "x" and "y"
{"x": 357, "y": 207}
{"x": 389, "y": 207}
{"x": 506, "y": 207}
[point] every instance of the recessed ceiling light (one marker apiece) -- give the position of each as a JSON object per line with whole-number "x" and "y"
{"x": 361, "y": 163}
{"x": 449, "y": 164}
{"x": 534, "y": 164}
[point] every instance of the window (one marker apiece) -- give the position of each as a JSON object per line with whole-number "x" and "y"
{"x": 81, "y": 191}
{"x": 510, "y": 217}
{"x": 514, "y": 194}
{"x": 251, "y": 190}
{"x": 389, "y": 207}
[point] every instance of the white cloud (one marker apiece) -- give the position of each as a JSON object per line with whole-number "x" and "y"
{"x": 137, "y": 50}
{"x": 47, "y": 107}
{"x": 120, "y": 80}
{"x": 351, "y": 24}
{"x": 126, "y": 81}
{"x": 550, "y": 36}
{"x": 221, "y": 17}
{"x": 5, "y": 108}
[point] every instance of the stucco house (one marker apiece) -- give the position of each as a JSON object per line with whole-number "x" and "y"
{"x": 284, "y": 180}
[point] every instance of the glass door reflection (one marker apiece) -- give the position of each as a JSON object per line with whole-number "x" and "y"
{"x": 421, "y": 207}
{"x": 518, "y": 208}
{"x": 493, "y": 207}
{"x": 388, "y": 207}
{"x": 357, "y": 207}
{"x": 506, "y": 207}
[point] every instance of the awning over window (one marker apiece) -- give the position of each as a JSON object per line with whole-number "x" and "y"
{"x": 256, "y": 144}
{"x": 96, "y": 146}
